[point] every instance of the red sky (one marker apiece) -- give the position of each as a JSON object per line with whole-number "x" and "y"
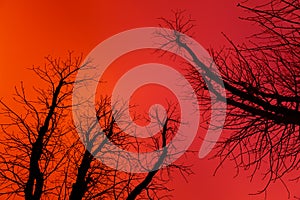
{"x": 30, "y": 31}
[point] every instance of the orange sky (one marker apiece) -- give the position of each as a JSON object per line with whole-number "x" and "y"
{"x": 30, "y": 31}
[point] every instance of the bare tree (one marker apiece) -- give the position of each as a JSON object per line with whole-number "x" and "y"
{"x": 96, "y": 180}
{"x": 42, "y": 156}
{"x": 261, "y": 80}
{"x": 32, "y": 135}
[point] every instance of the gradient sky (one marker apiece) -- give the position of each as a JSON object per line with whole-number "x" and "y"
{"x": 30, "y": 31}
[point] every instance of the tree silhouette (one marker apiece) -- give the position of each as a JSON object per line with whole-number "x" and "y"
{"x": 42, "y": 156}
{"x": 261, "y": 80}
{"x": 95, "y": 180}
{"x": 32, "y": 136}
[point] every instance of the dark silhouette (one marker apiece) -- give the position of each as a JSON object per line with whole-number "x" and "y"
{"x": 95, "y": 180}
{"x": 261, "y": 79}
{"x": 32, "y": 147}
{"x": 42, "y": 156}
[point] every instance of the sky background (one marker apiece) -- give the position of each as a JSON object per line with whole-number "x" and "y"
{"x": 31, "y": 31}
